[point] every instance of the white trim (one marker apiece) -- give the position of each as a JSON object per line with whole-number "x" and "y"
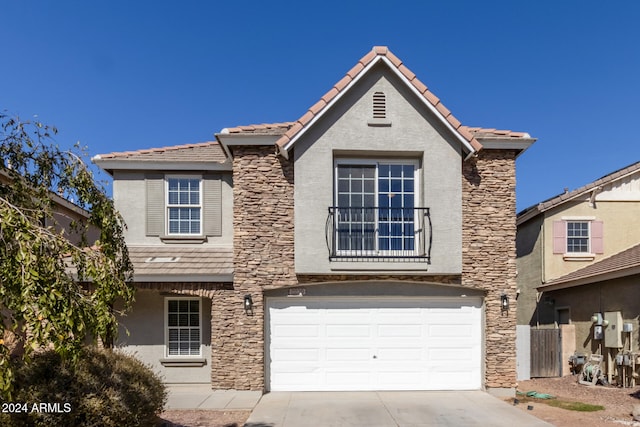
{"x": 166, "y": 328}
{"x": 186, "y": 277}
{"x": 578, "y": 218}
{"x": 362, "y": 73}
{"x": 168, "y": 206}
{"x": 376, "y": 164}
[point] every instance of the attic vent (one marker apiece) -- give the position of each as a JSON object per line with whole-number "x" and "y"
{"x": 379, "y": 106}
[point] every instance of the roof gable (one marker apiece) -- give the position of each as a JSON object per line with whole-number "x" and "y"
{"x": 606, "y": 183}
{"x": 379, "y": 54}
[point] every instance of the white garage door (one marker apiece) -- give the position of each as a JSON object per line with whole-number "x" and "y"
{"x": 374, "y": 344}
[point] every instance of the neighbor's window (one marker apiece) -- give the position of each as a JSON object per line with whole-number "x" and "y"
{"x": 183, "y": 326}
{"x": 577, "y": 236}
{"x": 184, "y": 205}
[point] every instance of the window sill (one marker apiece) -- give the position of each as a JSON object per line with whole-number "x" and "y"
{"x": 183, "y": 239}
{"x": 379, "y": 122}
{"x": 579, "y": 257}
{"x": 373, "y": 266}
{"x": 183, "y": 362}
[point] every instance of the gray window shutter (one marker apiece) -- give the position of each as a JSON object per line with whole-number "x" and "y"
{"x": 212, "y": 198}
{"x": 155, "y": 204}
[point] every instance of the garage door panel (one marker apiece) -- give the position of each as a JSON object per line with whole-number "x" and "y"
{"x": 296, "y": 354}
{"x": 291, "y": 331}
{"x": 348, "y": 354}
{"x": 346, "y": 330}
{"x": 399, "y": 330}
{"x": 452, "y": 332}
{"x": 374, "y": 344}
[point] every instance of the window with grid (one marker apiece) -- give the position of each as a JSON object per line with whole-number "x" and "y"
{"x": 577, "y": 236}
{"x": 375, "y": 207}
{"x": 184, "y": 206}
{"x": 183, "y": 327}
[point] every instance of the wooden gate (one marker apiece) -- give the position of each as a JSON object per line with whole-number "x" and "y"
{"x": 546, "y": 353}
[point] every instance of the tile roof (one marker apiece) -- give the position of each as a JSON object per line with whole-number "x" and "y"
{"x": 376, "y": 53}
{"x": 569, "y": 195}
{"x": 173, "y": 260}
{"x": 261, "y": 129}
{"x": 479, "y": 132}
{"x": 619, "y": 263}
{"x": 210, "y": 151}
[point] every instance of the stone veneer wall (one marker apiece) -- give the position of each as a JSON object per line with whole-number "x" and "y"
{"x": 489, "y": 255}
{"x": 264, "y": 259}
{"x": 263, "y": 253}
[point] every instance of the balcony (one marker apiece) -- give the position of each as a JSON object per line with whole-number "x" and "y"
{"x": 379, "y": 234}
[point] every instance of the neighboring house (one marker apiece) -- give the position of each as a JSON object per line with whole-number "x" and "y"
{"x": 370, "y": 245}
{"x": 579, "y": 254}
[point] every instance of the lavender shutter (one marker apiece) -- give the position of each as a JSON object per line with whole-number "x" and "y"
{"x": 559, "y": 237}
{"x": 597, "y": 243}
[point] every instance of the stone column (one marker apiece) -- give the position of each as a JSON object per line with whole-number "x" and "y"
{"x": 489, "y": 256}
{"x": 263, "y": 256}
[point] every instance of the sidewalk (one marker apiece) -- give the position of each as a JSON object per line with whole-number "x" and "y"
{"x": 200, "y": 396}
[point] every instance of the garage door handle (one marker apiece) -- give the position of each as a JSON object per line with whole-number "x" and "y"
{"x": 375, "y": 357}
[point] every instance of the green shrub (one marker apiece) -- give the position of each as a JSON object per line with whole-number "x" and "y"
{"x": 104, "y": 388}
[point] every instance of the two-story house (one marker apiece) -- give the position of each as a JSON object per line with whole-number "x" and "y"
{"x": 369, "y": 245}
{"x": 579, "y": 256}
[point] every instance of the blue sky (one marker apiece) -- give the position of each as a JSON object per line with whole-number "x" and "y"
{"x": 123, "y": 75}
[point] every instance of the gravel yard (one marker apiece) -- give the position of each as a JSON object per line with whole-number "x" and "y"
{"x": 618, "y": 402}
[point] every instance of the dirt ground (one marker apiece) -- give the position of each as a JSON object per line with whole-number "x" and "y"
{"x": 618, "y": 402}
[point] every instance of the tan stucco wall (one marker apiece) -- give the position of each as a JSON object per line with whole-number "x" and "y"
{"x": 529, "y": 266}
{"x": 583, "y": 301}
{"x": 619, "y": 232}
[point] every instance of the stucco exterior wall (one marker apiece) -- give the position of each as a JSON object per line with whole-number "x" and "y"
{"x": 613, "y": 295}
{"x": 489, "y": 255}
{"x": 345, "y": 133}
{"x": 129, "y": 190}
{"x": 145, "y": 340}
{"x": 529, "y": 241}
{"x": 618, "y": 235}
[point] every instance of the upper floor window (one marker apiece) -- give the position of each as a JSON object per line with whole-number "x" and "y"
{"x": 376, "y": 212}
{"x": 578, "y": 237}
{"x": 184, "y": 206}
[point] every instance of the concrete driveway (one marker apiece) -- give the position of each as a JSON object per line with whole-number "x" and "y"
{"x": 424, "y": 408}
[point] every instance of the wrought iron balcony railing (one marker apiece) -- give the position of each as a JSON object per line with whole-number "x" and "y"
{"x": 378, "y": 234}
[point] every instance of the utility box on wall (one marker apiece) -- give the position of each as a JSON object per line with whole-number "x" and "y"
{"x": 613, "y": 330}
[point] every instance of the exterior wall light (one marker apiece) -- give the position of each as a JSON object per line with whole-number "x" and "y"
{"x": 504, "y": 302}
{"x": 248, "y": 304}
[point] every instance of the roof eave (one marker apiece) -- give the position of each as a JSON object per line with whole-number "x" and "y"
{"x": 110, "y": 165}
{"x": 518, "y": 144}
{"x": 623, "y": 272}
{"x": 228, "y": 140}
{"x": 215, "y": 278}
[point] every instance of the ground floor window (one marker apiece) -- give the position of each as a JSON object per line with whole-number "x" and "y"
{"x": 183, "y": 326}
